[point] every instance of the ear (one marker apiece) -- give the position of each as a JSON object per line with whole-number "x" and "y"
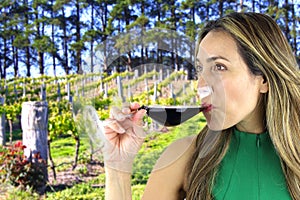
{"x": 264, "y": 85}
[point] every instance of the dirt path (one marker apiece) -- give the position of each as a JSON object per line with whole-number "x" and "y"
{"x": 82, "y": 174}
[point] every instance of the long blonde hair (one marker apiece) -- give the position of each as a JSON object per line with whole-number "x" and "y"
{"x": 267, "y": 53}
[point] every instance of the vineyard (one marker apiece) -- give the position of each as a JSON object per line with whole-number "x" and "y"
{"x": 68, "y": 146}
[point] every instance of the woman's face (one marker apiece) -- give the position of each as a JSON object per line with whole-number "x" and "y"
{"x": 236, "y": 91}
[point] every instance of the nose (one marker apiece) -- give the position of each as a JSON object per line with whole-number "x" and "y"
{"x": 201, "y": 81}
{"x": 204, "y": 88}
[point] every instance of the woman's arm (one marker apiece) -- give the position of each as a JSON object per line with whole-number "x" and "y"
{"x": 123, "y": 138}
{"x": 166, "y": 181}
{"x": 117, "y": 184}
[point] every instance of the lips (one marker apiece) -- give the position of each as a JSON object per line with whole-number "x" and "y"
{"x": 208, "y": 107}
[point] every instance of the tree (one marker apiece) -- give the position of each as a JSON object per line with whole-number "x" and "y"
{"x": 77, "y": 45}
{"x": 27, "y": 36}
{"x": 34, "y": 33}
{"x": 123, "y": 15}
{"x": 5, "y": 10}
{"x": 42, "y": 43}
{"x": 63, "y": 21}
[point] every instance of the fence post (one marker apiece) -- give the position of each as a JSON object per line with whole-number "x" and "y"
{"x": 105, "y": 90}
{"x": 120, "y": 88}
{"x": 34, "y": 122}
{"x": 154, "y": 75}
{"x": 6, "y": 92}
{"x": 69, "y": 96}
{"x": 129, "y": 94}
{"x": 172, "y": 95}
{"x": 168, "y": 73}
{"x": 161, "y": 75}
{"x": 43, "y": 92}
{"x": 24, "y": 89}
{"x": 155, "y": 92}
{"x": 2, "y": 125}
{"x": 58, "y": 92}
{"x": 136, "y": 73}
{"x": 147, "y": 89}
{"x": 15, "y": 92}
{"x": 83, "y": 86}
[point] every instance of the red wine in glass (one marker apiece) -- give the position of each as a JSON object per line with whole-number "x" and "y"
{"x": 172, "y": 115}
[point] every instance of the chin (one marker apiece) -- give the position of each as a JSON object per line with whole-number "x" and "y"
{"x": 214, "y": 127}
{"x": 216, "y": 122}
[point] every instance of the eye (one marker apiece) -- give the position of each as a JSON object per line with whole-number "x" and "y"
{"x": 199, "y": 70}
{"x": 219, "y": 67}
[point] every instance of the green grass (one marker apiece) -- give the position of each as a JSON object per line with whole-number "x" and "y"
{"x": 63, "y": 150}
{"x": 78, "y": 192}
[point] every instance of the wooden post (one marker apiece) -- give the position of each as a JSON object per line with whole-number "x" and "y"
{"x": 183, "y": 89}
{"x": 154, "y": 75}
{"x": 101, "y": 89}
{"x": 70, "y": 99}
{"x": 24, "y": 89}
{"x": 15, "y": 92}
{"x": 186, "y": 72}
{"x": 2, "y": 125}
{"x": 147, "y": 89}
{"x": 136, "y": 73}
{"x": 58, "y": 92}
{"x": 34, "y": 121}
{"x": 83, "y": 86}
{"x": 172, "y": 94}
{"x": 129, "y": 92}
{"x": 105, "y": 90}
{"x": 76, "y": 89}
{"x": 155, "y": 92}
{"x": 6, "y": 92}
{"x": 43, "y": 92}
{"x": 120, "y": 88}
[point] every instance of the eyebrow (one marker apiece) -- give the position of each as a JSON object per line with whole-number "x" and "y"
{"x": 213, "y": 58}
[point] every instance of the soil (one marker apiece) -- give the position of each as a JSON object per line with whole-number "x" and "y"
{"x": 69, "y": 177}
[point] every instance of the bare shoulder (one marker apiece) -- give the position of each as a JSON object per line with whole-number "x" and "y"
{"x": 167, "y": 180}
{"x": 178, "y": 151}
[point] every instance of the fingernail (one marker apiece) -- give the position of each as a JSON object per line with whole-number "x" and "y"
{"x": 120, "y": 118}
{"x": 122, "y": 130}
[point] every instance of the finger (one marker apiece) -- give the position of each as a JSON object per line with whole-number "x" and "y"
{"x": 129, "y": 108}
{"x": 110, "y": 136}
{"x": 116, "y": 113}
{"x": 134, "y": 106}
{"x": 114, "y": 126}
{"x": 138, "y": 116}
{"x": 126, "y": 110}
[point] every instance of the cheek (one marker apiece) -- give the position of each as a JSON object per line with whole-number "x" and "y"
{"x": 239, "y": 91}
{"x": 233, "y": 101}
{"x": 235, "y": 96}
{"x": 240, "y": 101}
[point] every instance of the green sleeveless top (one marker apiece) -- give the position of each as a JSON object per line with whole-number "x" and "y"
{"x": 250, "y": 170}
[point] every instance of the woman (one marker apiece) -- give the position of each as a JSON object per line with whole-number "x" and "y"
{"x": 250, "y": 146}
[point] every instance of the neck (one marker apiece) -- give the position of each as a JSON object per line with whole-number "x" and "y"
{"x": 253, "y": 130}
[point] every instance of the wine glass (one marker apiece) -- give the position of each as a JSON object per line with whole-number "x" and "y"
{"x": 176, "y": 115}
{"x": 169, "y": 95}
